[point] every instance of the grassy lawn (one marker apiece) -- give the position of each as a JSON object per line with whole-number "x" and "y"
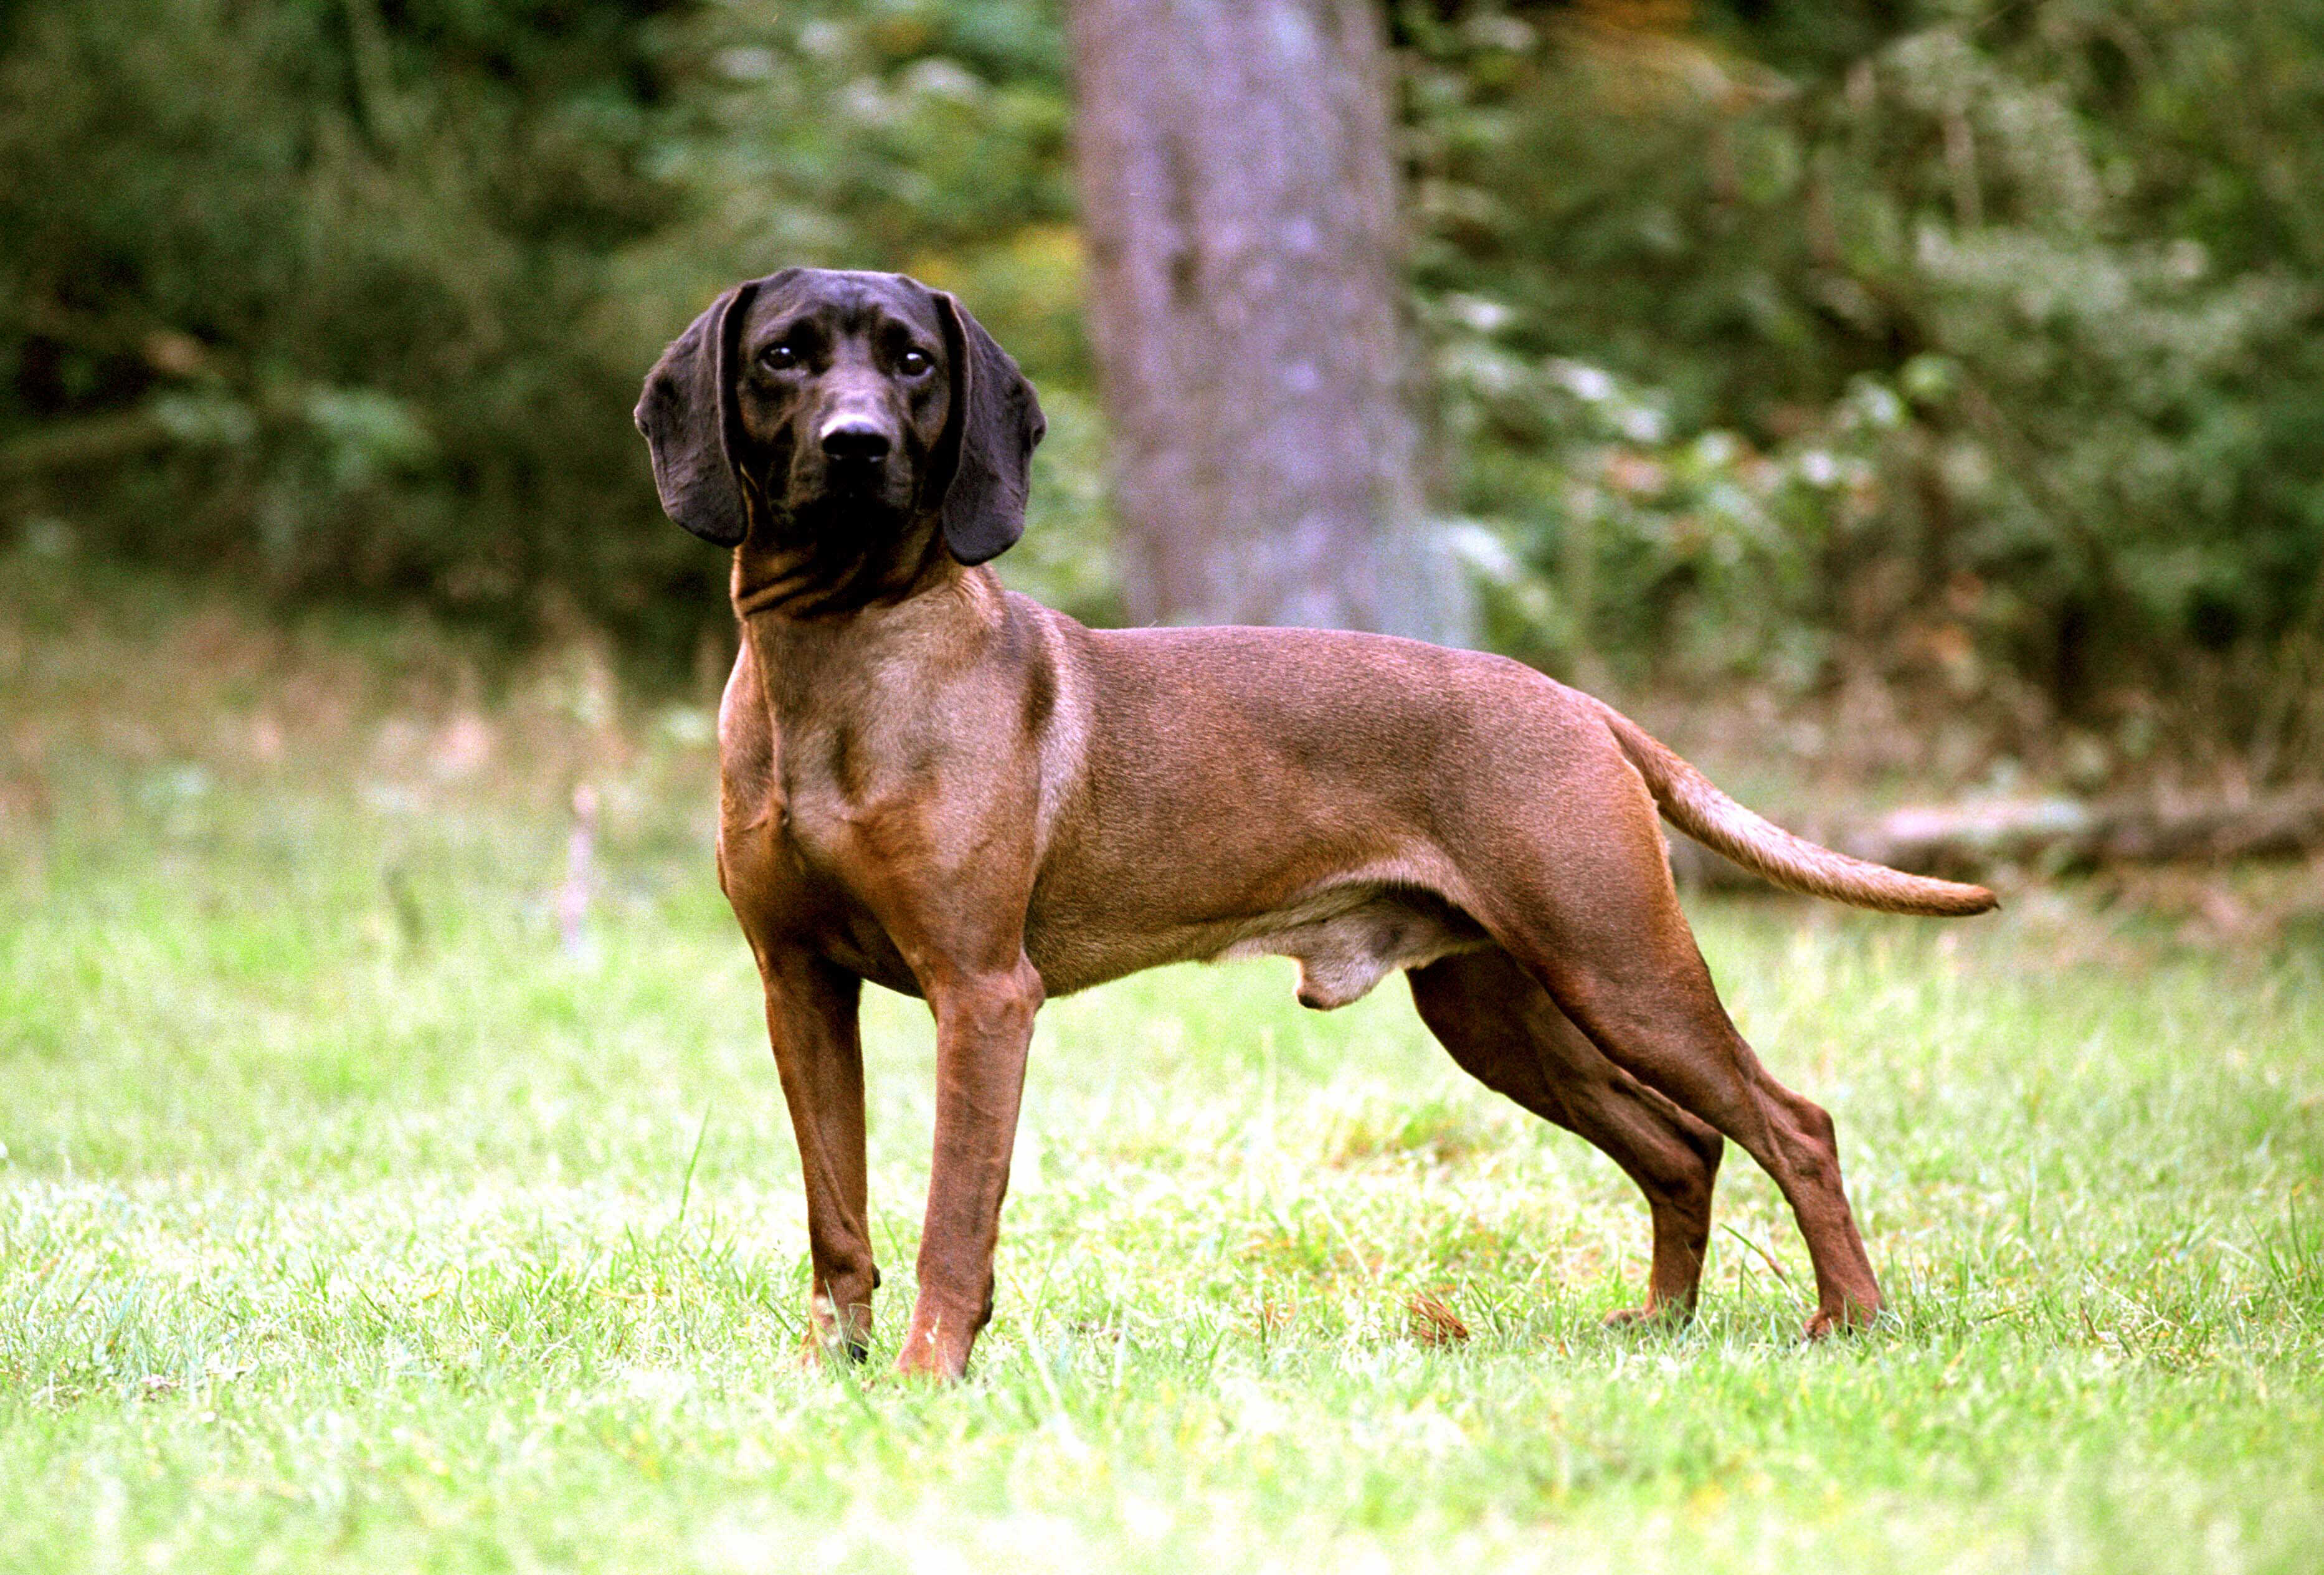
{"x": 347, "y": 1221}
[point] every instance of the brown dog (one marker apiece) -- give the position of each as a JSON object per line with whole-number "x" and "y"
{"x": 947, "y": 789}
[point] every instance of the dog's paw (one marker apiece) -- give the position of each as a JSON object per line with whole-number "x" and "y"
{"x": 819, "y": 1351}
{"x": 929, "y": 1364}
{"x": 1849, "y": 1319}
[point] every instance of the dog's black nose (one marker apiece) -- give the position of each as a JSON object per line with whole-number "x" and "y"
{"x": 856, "y": 440}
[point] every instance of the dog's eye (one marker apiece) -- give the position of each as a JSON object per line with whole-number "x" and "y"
{"x": 915, "y": 364}
{"x": 780, "y": 358}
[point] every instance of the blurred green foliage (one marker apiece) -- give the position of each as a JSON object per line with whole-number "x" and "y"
{"x": 353, "y": 297}
{"x": 1971, "y": 346}
{"x": 1973, "y": 340}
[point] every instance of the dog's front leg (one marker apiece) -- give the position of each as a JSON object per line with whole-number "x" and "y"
{"x": 811, "y": 1022}
{"x": 984, "y": 1025}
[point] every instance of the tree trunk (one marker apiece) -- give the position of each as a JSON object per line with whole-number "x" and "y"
{"x": 1246, "y": 287}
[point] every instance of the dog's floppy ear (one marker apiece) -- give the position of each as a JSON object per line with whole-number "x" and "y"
{"x": 687, "y": 416}
{"x": 982, "y": 461}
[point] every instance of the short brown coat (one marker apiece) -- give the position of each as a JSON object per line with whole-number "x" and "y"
{"x": 936, "y": 784}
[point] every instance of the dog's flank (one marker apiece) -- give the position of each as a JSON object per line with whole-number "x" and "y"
{"x": 1691, "y": 801}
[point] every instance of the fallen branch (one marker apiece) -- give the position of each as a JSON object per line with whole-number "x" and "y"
{"x": 1970, "y": 842}
{"x": 91, "y": 441}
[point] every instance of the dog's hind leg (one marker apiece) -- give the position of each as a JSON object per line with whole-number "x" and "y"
{"x": 1663, "y": 1025}
{"x": 1585, "y": 905}
{"x": 1505, "y": 1031}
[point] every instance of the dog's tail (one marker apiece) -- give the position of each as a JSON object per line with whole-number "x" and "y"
{"x": 1689, "y": 802}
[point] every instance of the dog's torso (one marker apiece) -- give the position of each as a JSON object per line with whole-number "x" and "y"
{"x": 982, "y": 727}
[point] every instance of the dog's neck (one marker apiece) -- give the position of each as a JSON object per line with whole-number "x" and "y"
{"x": 816, "y": 666}
{"x": 836, "y": 563}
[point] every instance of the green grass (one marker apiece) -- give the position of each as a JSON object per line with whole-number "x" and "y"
{"x": 346, "y": 1223}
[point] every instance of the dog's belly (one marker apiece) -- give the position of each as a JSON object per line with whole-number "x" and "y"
{"x": 1346, "y": 938}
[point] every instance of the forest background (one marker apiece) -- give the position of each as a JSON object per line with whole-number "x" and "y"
{"x": 1949, "y": 372}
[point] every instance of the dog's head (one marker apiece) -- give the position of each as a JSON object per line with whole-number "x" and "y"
{"x": 837, "y": 412}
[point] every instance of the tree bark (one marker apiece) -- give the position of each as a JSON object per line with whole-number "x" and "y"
{"x": 1246, "y": 249}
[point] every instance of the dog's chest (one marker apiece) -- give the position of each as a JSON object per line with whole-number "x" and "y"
{"x": 815, "y": 744}
{"x": 872, "y": 796}
{"x": 830, "y": 780}
{"x": 799, "y": 780}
